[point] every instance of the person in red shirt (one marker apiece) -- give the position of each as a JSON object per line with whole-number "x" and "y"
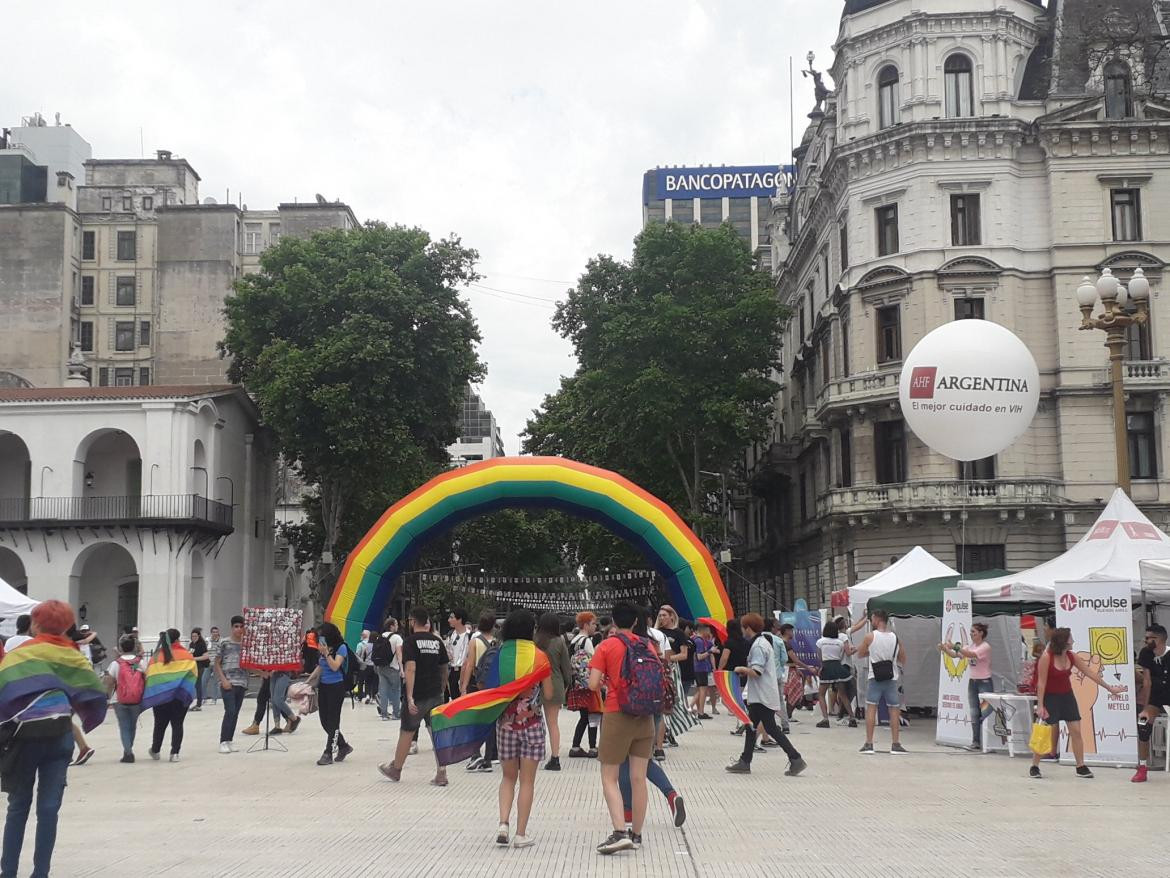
{"x": 622, "y": 737}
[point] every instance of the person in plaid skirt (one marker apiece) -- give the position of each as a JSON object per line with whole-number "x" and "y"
{"x": 520, "y": 741}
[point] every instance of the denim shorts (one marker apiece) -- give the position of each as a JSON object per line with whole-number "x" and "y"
{"x": 888, "y": 689}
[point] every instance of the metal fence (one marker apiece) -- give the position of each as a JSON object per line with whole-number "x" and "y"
{"x": 154, "y": 507}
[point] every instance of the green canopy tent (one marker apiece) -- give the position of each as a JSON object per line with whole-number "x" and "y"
{"x": 926, "y": 599}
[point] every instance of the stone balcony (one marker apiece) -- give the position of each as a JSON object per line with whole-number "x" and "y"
{"x": 942, "y": 495}
{"x": 877, "y": 387}
{"x": 1154, "y": 374}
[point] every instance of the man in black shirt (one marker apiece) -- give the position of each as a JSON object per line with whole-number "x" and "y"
{"x": 424, "y": 672}
{"x": 1153, "y": 672}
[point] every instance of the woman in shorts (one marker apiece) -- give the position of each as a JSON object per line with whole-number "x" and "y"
{"x": 1055, "y": 701}
{"x": 835, "y": 674}
{"x": 520, "y": 740}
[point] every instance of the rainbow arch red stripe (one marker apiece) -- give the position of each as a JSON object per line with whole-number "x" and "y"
{"x": 373, "y": 567}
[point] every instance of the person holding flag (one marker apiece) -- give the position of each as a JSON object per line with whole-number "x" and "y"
{"x": 43, "y": 684}
{"x": 169, "y": 691}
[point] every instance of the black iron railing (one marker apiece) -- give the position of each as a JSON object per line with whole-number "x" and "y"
{"x": 151, "y": 509}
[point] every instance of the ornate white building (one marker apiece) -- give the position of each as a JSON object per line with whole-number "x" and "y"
{"x": 977, "y": 159}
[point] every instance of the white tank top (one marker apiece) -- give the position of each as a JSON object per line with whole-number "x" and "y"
{"x": 883, "y": 648}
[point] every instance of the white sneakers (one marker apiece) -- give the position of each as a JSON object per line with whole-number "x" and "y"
{"x": 174, "y": 757}
{"x": 225, "y": 747}
{"x": 523, "y": 841}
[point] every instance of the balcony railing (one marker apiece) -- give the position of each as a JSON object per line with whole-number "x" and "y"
{"x": 945, "y": 494}
{"x": 152, "y": 510}
{"x": 877, "y": 386}
{"x": 1146, "y": 371}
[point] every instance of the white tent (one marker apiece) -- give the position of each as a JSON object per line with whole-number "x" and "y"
{"x": 1113, "y": 549}
{"x": 12, "y": 604}
{"x": 915, "y": 566}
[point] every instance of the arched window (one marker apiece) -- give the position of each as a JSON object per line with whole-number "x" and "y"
{"x": 888, "y": 98}
{"x": 960, "y": 86}
{"x": 1118, "y": 91}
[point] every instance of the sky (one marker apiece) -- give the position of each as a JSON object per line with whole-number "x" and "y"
{"x": 522, "y": 127}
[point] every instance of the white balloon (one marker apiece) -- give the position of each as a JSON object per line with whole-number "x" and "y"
{"x": 969, "y": 389}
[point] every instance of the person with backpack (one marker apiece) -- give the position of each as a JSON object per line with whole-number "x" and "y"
{"x": 388, "y": 667}
{"x": 548, "y": 638}
{"x": 334, "y": 677}
{"x": 471, "y": 678}
{"x": 633, "y": 672}
{"x": 171, "y": 678}
{"x": 125, "y": 678}
{"x": 580, "y": 697}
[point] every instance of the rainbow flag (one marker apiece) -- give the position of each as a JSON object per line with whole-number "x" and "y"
{"x": 49, "y": 677}
{"x": 460, "y": 726}
{"x": 170, "y": 681}
{"x": 731, "y": 691}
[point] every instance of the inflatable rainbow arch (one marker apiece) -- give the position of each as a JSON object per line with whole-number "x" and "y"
{"x": 367, "y": 582}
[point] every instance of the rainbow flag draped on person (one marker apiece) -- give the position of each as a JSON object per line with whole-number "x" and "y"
{"x": 48, "y": 677}
{"x": 170, "y": 681}
{"x": 731, "y": 691}
{"x": 460, "y": 726}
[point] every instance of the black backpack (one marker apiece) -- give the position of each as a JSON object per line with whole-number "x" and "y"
{"x": 97, "y": 652}
{"x": 382, "y": 654}
{"x": 351, "y": 670}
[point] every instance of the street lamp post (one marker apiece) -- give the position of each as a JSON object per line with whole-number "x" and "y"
{"x": 1114, "y": 321}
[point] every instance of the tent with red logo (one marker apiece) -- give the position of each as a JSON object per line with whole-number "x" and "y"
{"x": 1114, "y": 549}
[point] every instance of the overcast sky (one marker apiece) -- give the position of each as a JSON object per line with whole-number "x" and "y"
{"x": 524, "y": 127}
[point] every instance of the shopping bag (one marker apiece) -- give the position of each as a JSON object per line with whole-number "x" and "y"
{"x": 1041, "y": 740}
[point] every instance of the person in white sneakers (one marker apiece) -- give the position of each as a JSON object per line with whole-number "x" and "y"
{"x": 886, "y": 657}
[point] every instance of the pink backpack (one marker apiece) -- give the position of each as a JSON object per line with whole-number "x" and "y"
{"x": 131, "y": 682}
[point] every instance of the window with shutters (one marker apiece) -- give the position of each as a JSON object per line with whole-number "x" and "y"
{"x": 127, "y": 203}
{"x": 969, "y": 309}
{"x": 1143, "y": 454}
{"x": 889, "y": 445}
{"x": 103, "y": 377}
{"x": 1118, "y": 91}
{"x": 126, "y": 246}
{"x": 124, "y": 335}
{"x": 889, "y": 334}
{"x": 107, "y": 203}
{"x": 252, "y": 238}
{"x": 147, "y": 203}
{"x": 887, "y": 229}
{"x": 144, "y": 334}
{"x": 86, "y": 338}
{"x": 982, "y": 470}
{"x": 845, "y": 473}
{"x": 1127, "y": 216}
{"x": 125, "y": 292}
{"x": 88, "y": 245}
{"x": 888, "y": 99}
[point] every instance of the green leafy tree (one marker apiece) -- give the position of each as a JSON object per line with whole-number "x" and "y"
{"x": 676, "y": 351}
{"x": 358, "y": 349}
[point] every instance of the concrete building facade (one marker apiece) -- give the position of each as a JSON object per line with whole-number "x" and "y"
{"x": 977, "y": 159}
{"x": 479, "y": 434}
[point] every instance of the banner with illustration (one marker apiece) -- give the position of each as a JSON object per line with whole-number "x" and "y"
{"x": 1100, "y": 616}
{"x": 953, "y": 726}
{"x": 807, "y": 633}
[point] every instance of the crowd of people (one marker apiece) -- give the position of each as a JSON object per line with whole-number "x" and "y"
{"x": 637, "y": 679}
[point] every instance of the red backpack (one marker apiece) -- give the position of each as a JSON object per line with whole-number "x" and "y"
{"x": 642, "y": 683}
{"x": 131, "y": 682}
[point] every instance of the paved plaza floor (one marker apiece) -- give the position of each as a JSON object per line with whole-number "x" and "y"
{"x": 936, "y": 812}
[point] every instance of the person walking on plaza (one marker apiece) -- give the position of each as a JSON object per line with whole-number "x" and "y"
{"x": 43, "y": 684}
{"x": 834, "y": 673}
{"x": 170, "y": 685}
{"x": 1153, "y": 668}
{"x": 479, "y": 645}
{"x": 780, "y": 651}
{"x": 330, "y": 680}
{"x": 886, "y": 657}
{"x": 424, "y": 662}
{"x": 197, "y": 646}
{"x": 388, "y": 666}
{"x": 548, "y": 638}
{"x": 979, "y": 680}
{"x": 520, "y": 735}
{"x": 1055, "y": 701}
{"x": 679, "y": 718}
{"x": 233, "y": 681}
{"x": 580, "y": 697}
{"x": 365, "y": 673}
{"x": 457, "y": 642}
{"x": 734, "y": 654}
{"x": 126, "y": 678}
{"x": 624, "y": 736}
{"x": 762, "y": 696}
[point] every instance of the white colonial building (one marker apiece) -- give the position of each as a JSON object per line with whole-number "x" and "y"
{"x": 976, "y": 159}
{"x": 139, "y": 505}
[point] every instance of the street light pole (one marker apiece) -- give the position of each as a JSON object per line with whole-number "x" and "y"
{"x": 1115, "y": 321}
{"x": 723, "y": 500}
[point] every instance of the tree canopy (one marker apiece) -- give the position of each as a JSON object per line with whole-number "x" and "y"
{"x": 358, "y": 349}
{"x": 676, "y": 350}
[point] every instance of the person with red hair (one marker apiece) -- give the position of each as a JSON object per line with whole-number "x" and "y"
{"x": 42, "y": 685}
